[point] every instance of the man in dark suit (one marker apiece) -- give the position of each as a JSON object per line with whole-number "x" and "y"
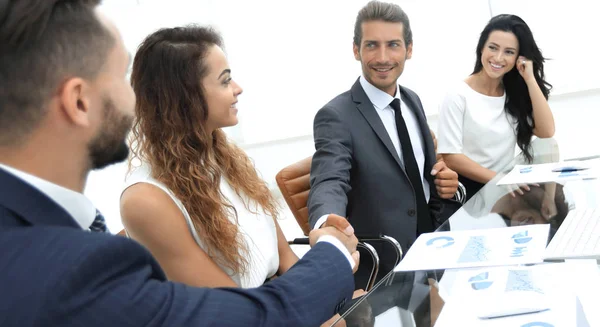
{"x": 65, "y": 108}
{"x": 375, "y": 161}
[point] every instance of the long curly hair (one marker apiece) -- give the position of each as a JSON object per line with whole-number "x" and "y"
{"x": 170, "y": 135}
{"x": 518, "y": 102}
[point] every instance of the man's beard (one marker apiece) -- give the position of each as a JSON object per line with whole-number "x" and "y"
{"x": 110, "y": 145}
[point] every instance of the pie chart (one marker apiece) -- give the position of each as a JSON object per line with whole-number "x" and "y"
{"x": 480, "y": 281}
{"x": 441, "y": 242}
{"x": 522, "y": 237}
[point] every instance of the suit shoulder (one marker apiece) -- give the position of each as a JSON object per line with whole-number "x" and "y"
{"x": 340, "y": 102}
{"x": 410, "y": 92}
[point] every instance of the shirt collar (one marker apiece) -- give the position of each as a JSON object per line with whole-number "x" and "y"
{"x": 76, "y": 204}
{"x": 379, "y": 98}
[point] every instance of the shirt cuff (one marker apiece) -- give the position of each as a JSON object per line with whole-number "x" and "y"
{"x": 321, "y": 221}
{"x": 338, "y": 244}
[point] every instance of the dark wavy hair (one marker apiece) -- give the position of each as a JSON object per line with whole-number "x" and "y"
{"x": 170, "y": 134}
{"x": 518, "y": 103}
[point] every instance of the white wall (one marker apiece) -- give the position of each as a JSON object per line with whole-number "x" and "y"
{"x": 292, "y": 57}
{"x": 292, "y": 60}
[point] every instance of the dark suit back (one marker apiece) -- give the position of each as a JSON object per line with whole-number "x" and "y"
{"x": 52, "y": 273}
{"x": 356, "y": 171}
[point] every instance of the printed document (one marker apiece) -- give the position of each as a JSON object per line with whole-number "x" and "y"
{"x": 477, "y": 248}
{"x": 552, "y": 172}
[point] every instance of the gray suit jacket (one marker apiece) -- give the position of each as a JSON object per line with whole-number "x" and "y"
{"x": 357, "y": 173}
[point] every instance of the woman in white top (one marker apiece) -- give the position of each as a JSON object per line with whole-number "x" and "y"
{"x": 503, "y": 103}
{"x": 196, "y": 201}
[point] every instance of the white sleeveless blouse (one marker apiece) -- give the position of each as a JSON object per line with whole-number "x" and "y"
{"x": 258, "y": 231}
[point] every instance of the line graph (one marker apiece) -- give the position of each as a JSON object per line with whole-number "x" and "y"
{"x": 476, "y": 250}
{"x": 521, "y": 280}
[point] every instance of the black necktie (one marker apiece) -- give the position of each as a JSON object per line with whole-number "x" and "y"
{"x": 424, "y": 222}
{"x": 99, "y": 224}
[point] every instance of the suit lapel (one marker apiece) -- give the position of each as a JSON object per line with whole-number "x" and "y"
{"x": 366, "y": 108}
{"x": 30, "y": 204}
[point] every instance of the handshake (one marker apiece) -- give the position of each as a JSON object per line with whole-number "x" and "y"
{"x": 340, "y": 228}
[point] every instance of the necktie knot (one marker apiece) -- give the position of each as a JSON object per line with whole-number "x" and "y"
{"x": 99, "y": 224}
{"x": 395, "y": 104}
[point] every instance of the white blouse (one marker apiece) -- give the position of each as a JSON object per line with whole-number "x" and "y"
{"x": 258, "y": 231}
{"x": 477, "y": 126}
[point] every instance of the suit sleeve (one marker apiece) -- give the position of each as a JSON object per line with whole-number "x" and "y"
{"x": 331, "y": 165}
{"x": 119, "y": 284}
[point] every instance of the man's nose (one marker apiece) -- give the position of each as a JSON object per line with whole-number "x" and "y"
{"x": 382, "y": 55}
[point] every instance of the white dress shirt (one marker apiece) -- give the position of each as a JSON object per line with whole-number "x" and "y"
{"x": 381, "y": 101}
{"x": 76, "y": 204}
{"x": 477, "y": 126}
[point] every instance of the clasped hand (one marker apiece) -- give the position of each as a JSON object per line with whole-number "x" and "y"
{"x": 340, "y": 228}
{"x": 446, "y": 180}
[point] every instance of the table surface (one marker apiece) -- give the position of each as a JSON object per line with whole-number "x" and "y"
{"x": 412, "y": 297}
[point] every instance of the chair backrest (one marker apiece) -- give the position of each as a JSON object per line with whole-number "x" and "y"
{"x": 365, "y": 276}
{"x": 389, "y": 252}
{"x": 294, "y": 183}
{"x": 368, "y": 269}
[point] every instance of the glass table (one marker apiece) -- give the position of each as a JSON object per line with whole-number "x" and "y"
{"x": 412, "y": 298}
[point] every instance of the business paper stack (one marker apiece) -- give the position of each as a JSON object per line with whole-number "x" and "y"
{"x": 552, "y": 172}
{"x": 534, "y": 296}
{"x": 477, "y": 248}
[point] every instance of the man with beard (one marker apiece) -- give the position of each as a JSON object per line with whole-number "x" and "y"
{"x": 66, "y": 108}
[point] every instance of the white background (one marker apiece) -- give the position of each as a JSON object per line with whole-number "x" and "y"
{"x": 291, "y": 57}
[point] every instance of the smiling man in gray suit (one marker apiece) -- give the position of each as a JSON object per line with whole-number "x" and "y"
{"x": 375, "y": 161}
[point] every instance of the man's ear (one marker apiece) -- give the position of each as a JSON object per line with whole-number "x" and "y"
{"x": 409, "y": 51}
{"x": 75, "y": 101}
{"x": 356, "y": 51}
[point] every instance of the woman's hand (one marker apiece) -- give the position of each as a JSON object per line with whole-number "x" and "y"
{"x": 519, "y": 188}
{"x": 525, "y": 68}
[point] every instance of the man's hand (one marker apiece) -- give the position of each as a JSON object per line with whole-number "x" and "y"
{"x": 446, "y": 180}
{"x": 340, "y": 228}
{"x": 340, "y": 223}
